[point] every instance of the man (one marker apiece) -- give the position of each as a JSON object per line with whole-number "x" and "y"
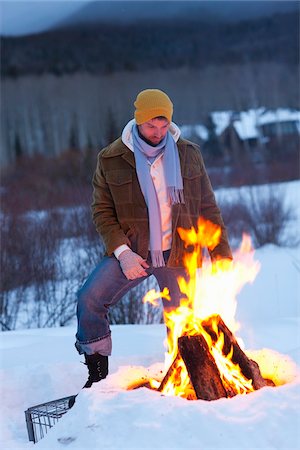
{"x": 147, "y": 183}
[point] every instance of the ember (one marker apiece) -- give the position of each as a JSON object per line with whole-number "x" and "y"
{"x": 204, "y": 359}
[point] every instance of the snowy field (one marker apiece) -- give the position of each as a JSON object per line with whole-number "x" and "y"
{"x": 39, "y": 365}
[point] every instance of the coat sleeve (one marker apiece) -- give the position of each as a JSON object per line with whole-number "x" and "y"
{"x": 104, "y": 212}
{"x": 210, "y": 211}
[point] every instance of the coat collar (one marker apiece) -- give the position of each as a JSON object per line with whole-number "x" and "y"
{"x": 118, "y": 148}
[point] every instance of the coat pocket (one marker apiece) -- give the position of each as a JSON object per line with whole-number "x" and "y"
{"x": 120, "y": 185}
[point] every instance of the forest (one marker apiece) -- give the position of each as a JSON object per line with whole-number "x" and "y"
{"x": 110, "y": 48}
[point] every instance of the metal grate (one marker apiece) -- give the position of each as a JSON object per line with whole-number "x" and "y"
{"x": 40, "y": 418}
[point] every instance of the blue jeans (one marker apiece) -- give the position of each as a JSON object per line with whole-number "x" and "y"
{"x": 104, "y": 288}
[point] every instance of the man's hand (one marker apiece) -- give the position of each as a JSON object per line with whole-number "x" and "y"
{"x": 132, "y": 265}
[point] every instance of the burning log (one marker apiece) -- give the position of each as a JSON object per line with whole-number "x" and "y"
{"x": 172, "y": 380}
{"x": 201, "y": 367}
{"x": 205, "y": 380}
{"x": 249, "y": 368}
{"x": 172, "y": 369}
{"x": 208, "y": 363}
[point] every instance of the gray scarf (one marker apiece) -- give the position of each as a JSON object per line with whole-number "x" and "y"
{"x": 172, "y": 172}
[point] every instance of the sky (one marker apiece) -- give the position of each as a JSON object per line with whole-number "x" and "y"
{"x": 23, "y": 17}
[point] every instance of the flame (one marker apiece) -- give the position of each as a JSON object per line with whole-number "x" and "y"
{"x": 231, "y": 373}
{"x": 153, "y": 297}
{"x": 209, "y": 291}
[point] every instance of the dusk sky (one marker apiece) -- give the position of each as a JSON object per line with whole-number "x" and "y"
{"x": 23, "y": 17}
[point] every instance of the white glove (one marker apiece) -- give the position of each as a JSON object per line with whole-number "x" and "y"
{"x": 132, "y": 265}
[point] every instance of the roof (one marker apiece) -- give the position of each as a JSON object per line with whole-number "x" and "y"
{"x": 246, "y": 123}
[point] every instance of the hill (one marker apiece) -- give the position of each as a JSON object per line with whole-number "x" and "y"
{"x": 136, "y": 47}
{"x": 131, "y": 12}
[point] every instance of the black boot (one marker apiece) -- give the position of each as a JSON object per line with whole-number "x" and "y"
{"x": 98, "y": 368}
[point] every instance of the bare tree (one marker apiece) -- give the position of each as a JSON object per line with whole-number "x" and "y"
{"x": 263, "y": 212}
{"x": 41, "y": 110}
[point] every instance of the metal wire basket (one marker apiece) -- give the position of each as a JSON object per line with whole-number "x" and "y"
{"x": 40, "y": 418}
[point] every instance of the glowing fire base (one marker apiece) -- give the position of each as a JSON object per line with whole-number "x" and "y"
{"x": 204, "y": 359}
{"x": 209, "y": 366}
{"x": 214, "y": 374}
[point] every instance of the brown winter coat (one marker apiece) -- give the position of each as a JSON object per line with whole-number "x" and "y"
{"x": 120, "y": 212}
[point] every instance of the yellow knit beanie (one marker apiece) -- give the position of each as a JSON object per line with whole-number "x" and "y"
{"x": 152, "y": 103}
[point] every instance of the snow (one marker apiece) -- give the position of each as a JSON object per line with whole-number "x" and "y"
{"x": 288, "y": 193}
{"x": 197, "y": 130}
{"x": 246, "y": 123}
{"x": 42, "y": 365}
{"x": 221, "y": 120}
{"x": 279, "y": 115}
{"x": 39, "y": 365}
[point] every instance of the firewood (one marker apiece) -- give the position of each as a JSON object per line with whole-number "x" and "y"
{"x": 249, "y": 368}
{"x": 201, "y": 367}
{"x": 205, "y": 381}
{"x": 171, "y": 370}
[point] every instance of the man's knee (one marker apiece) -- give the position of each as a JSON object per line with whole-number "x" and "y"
{"x": 87, "y": 297}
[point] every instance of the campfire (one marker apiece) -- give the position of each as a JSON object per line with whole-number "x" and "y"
{"x": 205, "y": 360}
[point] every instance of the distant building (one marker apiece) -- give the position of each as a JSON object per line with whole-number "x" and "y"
{"x": 254, "y": 134}
{"x": 195, "y": 133}
{"x": 280, "y": 130}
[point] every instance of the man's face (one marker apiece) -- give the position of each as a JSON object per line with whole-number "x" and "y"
{"x": 154, "y": 130}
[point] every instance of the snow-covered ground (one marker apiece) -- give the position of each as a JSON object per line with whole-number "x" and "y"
{"x": 39, "y": 365}
{"x": 42, "y": 365}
